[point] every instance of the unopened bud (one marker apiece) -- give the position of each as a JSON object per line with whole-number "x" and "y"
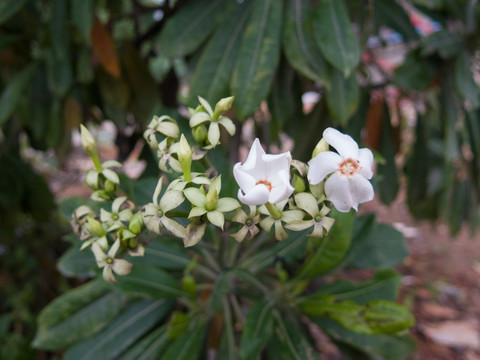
{"x": 185, "y": 157}
{"x": 211, "y": 200}
{"x": 200, "y": 133}
{"x": 189, "y": 285}
{"x": 95, "y": 226}
{"x": 88, "y": 141}
{"x": 298, "y": 184}
{"x": 136, "y": 223}
{"x": 110, "y": 186}
{"x": 321, "y": 147}
{"x": 223, "y": 105}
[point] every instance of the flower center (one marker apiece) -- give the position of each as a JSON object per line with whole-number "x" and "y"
{"x": 115, "y": 217}
{"x": 268, "y": 184}
{"x": 249, "y": 222}
{"x": 109, "y": 260}
{"x": 349, "y": 167}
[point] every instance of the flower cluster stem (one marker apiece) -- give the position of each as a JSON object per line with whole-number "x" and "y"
{"x": 273, "y": 211}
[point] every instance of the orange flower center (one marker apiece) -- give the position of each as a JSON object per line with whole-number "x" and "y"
{"x": 349, "y": 167}
{"x": 268, "y": 184}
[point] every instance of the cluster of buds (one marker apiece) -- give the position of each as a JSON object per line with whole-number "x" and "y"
{"x": 275, "y": 191}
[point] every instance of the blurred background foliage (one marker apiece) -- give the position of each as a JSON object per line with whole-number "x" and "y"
{"x": 399, "y": 76}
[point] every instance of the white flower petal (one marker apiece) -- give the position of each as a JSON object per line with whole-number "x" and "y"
{"x": 170, "y": 200}
{"x": 227, "y": 204}
{"x": 158, "y": 190}
{"x": 239, "y": 236}
{"x": 217, "y": 184}
{"x": 321, "y": 165}
{"x": 257, "y": 196}
{"x": 195, "y": 196}
{"x": 337, "y": 189}
{"x": 361, "y": 190}
{"x": 214, "y": 134}
{"x": 99, "y": 254}
{"x": 174, "y": 227}
{"x": 108, "y": 275}
{"x": 216, "y": 218}
{"x": 199, "y": 118}
{"x": 344, "y": 144}
{"x": 194, "y": 234}
{"x": 280, "y": 233}
{"x": 299, "y": 225}
{"x": 122, "y": 267}
{"x": 307, "y": 202}
{"x": 117, "y": 203}
{"x": 244, "y": 180}
{"x": 206, "y": 105}
{"x": 111, "y": 175}
{"x": 254, "y": 157}
{"x": 228, "y": 125}
{"x": 113, "y": 250}
{"x": 196, "y": 212}
{"x": 365, "y": 159}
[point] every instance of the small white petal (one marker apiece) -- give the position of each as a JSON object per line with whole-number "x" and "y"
{"x": 344, "y": 144}
{"x": 170, "y": 200}
{"x": 196, "y": 212}
{"x": 307, "y": 202}
{"x": 365, "y": 158}
{"x": 217, "y": 184}
{"x": 321, "y": 165}
{"x": 280, "y": 233}
{"x": 195, "y": 196}
{"x": 254, "y": 157}
{"x": 122, "y": 267}
{"x": 227, "y": 204}
{"x": 158, "y": 190}
{"x": 111, "y": 175}
{"x": 337, "y": 189}
{"x": 117, "y": 203}
{"x": 239, "y": 236}
{"x": 257, "y": 196}
{"x": 99, "y": 254}
{"x": 113, "y": 250}
{"x": 282, "y": 189}
{"x": 267, "y": 223}
{"x": 125, "y": 214}
{"x": 216, "y": 218}
{"x": 244, "y": 180}
{"x": 228, "y": 125}
{"x": 199, "y": 118}
{"x": 206, "y": 105}
{"x": 108, "y": 275}
{"x": 361, "y": 189}
{"x": 174, "y": 227}
{"x": 111, "y": 163}
{"x": 299, "y": 225}
{"x": 194, "y": 234}
{"x": 214, "y": 134}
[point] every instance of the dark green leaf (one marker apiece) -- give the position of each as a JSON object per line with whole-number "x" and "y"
{"x": 82, "y": 13}
{"x": 191, "y": 25}
{"x": 77, "y": 314}
{"x": 258, "y": 57}
{"x": 189, "y": 346}
{"x": 75, "y": 263}
{"x": 151, "y": 282}
{"x": 446, "y": 43}
{"x": 59, "y": 73}
{"x": 343, "y": 96}
{"x": 257, "y": 331}
{"x": 11, "y": 94}
{"x": 464, "y": 82}
{"x": 150, "y": 347}
{"x": 137, "y": 319}
{"x": 331, "y": 249}
{"x": 8, "y": 8}
{"x": 228, "y": 347}
{"x": 163, "y": 253}
{"x": 388, "y": 347}
{"x": 213, "y": 71}
{"x": 335, "y": 36}
{"x": 415, "y": 73}
{"x": 299, "y": 43}
{"x": 391, "y": 14}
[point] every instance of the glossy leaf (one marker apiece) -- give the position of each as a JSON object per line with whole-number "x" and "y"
{"x": 331, "y": 249}
{"x": 211, "y": 78}
{"x": 446, "y": 43}
{"x": 299, "y": 43}
{"x": 228, "y": 346}
{"x": 150, "y": 347}
{"x": 75, "y": 263}
{"x": 82, "y": 13}
{"x": 342, "y": 96}
{"x": 12, "y": 93}
{"x": 335, "y": 36}
{"x": 136, "y": 320}
{"x": 151, "y": 282}
{"x": 163, "y": 254}
{"x": 190, "y": 26}
{"x": 77, "y": 314}
{"x": 388, "y": 347}
{"x": 189, "y": 346}
{"x": 257, "y": 330}
{"x": 258, "y": 57}
{"x": 9, "y": 8}
{"x": 464, "y": 81}
{"x": 415, "y": 73}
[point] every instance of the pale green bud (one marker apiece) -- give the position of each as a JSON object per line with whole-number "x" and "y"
{"x": 88, "y": 141}
{"x": 223, "y": 105}
{"x": 136, "y": 223}
{"x": 211, "y": 200}
{"x": 95, "y": 226}
{"x": 110, "y": 186}
{"x": 298, "y": 184}
{"x": 321, "y": 147}
{"x": 200, "y": 133}
{"x": 185, "y": 157}
{"x": 189, "y": 285}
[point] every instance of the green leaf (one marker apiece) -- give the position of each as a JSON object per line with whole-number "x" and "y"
{"x": 342, "y": 96}
{"x": 82, "y": 13}
{"x": 415, "y": 72}
{"x": 8, "y": 8}
{"x": 388, "y": 184}
{"x": 388, "y": 347}
{"x": 189, "y": 346}
{"x": 331, "y": 249}
{"x": 288, "y": 342}
{"x": 391, "y": 14}
{"x": 464, "y": 82}
{"x": 163, "y": 253}
{"x": 446, "y": 43}
{"x": 75, "y": 263}
{"x": 12, "y": 93}
{"x": 299, "y": 43}
{"x": 257, "y": 331}
{"x": 214, "y": 68}
{"x": 150, "y": 347}
{"x": 380, "y": 247}
{"x": 384, "y": 286}
{"x": 77, "y": 314}
{"x": 191, "y": 25}
{"x": 137, "y": 319}
{"x": 375, "y": 317}
{"x": 151, "y": 282}
{"x": 335, "y": 36}
{"x": 258, "y": 57}
{"x": 228, "y": 347}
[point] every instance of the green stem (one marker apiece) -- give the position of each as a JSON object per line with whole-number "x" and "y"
{"x": 273, "y": 211}
{"x": 96, "y": 162}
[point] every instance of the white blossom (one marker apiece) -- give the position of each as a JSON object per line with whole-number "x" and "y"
{"x": 349, "y": 170}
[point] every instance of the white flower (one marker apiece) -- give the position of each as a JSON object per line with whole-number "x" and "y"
{"x": 108, "y": 262}
{"x": 263, "y": 177}
{"x": 350, "y": 171}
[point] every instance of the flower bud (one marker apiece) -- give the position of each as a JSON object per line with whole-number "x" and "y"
{"x": 321, "y": 147}
{"x": 88, "y": 141}
{"x": 298, "y": 184}
{"x": 189, "y": 285}
{"x": 95, "y": 226}
{"x": 110, "y": 186}
{"x": 200, "y": 133}
{"x": 223, "y": 105}
{"x": 136, "y": 223}
{"x": 185, "y": 157}
{"x": 211, "y": 200}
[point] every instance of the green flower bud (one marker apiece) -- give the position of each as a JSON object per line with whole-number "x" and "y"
{"x": 200, "y": 133}
{"x": 189, "y": 285}
{"x": 185, "y": 157}
{"x": 211, "y": 200}
{"x": 321, "y": 147}
{"x": 110, "y": 186}
{"x": 298, "y": 184}
{"x": 90, "y": 146}
{"x": 95, "y": 226}
{"x": 223, "y": 105}
{"x": 136, "y": 223}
